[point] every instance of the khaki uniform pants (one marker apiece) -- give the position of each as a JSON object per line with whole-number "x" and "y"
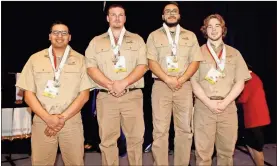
{"x": 70, "y": 139}
{"x": 215, "y": 129}
{"x": 164, "y": 102}
{"x": 125, "y": 111}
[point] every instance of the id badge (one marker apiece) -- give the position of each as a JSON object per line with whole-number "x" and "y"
{"x": 51, "y": 90}
{"x": 213, "y": 75}
{"x": 120, "y": 65}
{"x": 171, "y": 65}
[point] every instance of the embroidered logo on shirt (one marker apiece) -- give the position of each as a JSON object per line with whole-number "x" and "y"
{"x": 72, "y": 61}
{"x": 129, "y": 41}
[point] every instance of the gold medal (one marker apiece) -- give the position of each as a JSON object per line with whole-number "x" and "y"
{"x": 222, "y": 75}
{"x": 57, "y": 84}
{"x": 175, "y": 58}
{"x": 115, "y": 58}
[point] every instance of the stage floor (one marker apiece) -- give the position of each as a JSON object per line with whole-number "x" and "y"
{"x": 94, "y": 159}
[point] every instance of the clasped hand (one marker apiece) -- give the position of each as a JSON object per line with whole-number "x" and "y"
{"x": 117, "y": 88}
{"x": 217, "y": 106}
{"x": 54, "y": 124}
{"x": 174, "y": 83}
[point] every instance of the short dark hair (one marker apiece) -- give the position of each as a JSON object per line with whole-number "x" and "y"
{"x": 115, "y": 6}
{"x": 172, "y": 3}
{"x": 59, "y": 23}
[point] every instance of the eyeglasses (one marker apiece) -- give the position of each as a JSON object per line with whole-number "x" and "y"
{"x": 173, "y": 12}
{"x": 63, "y": 33}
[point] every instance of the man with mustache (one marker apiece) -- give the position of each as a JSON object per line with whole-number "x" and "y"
{"x": 116, "y": 62}
{"x": 217, "y": 83}
{"x": 56, "y": 86}
{"x": 173, "y": 55}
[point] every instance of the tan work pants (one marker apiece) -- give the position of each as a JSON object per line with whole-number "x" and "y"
{"x": 164, "y": 102}
{"x": 215, "y": 129}
{"x": 70, "y": 139}
{"x": 125, "y": 111}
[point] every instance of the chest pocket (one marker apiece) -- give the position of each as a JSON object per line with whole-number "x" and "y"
{"x": 162, "y": 46}
{"x": 72, "y": 72}
{"x": 204, "y": 68}
{"x": 130, "y": 50}
{"x": 163, "y": 49}
{"x": 230, "y": 68}
{"x": 130, "y": 44}
{"x": 185, "y": 47}
{"x": 42, "y": 71}
{"x": 103, "y": 54}
{"x": 42, "y": 74}
{"x": 100, "y": 49}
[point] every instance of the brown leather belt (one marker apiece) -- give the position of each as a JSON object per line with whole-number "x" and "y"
{"x": 216, "y": 98}
{"x": 127, "y": 90}
{"x": 158, "y": 79}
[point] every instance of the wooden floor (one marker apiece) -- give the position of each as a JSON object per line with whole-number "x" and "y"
{"x": 94, "y": 159}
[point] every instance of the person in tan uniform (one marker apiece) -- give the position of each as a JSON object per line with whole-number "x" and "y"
{"x": 218, "y": 81}
{"x": 116, "y": 62}
{"x": 173, "y": 55}
{"x": 56, "y": 87}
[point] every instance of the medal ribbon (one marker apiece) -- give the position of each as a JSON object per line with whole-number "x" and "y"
{"x": 220, "y": 59}
{"x": 116, "y": 46}
{"x": 57, "y": 72}
{"x": 170, "y": 40}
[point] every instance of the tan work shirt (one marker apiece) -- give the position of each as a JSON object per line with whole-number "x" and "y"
{"x": 74, "y": 79}
{"x": 188, "y": 50}
{"x": 235, "y": 70}
{"x": 99, "y": 54}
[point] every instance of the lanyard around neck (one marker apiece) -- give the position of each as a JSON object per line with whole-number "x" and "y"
{"x": 57, "y": 72}
{"x": 170, "y": 40}
{"x": 220, "y": 60}
{"x": 115, "y": 47}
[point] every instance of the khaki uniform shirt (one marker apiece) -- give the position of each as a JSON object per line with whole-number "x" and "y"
{"x": 74, "y": 79}
{"x": 235, "y": 70}
{"x": 99, "y": 54}
{"x": 188, "y": 50}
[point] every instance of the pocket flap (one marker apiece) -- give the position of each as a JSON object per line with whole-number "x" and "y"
{"x": 42, "y": 69}
{"x": 71, "y": 69}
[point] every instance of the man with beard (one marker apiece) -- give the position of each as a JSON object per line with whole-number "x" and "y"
{"x": 217, "y": 83}
{"x": 116, "y": 62}
{"x": 173, "y": 55}
{"x": 56, "y": 86}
